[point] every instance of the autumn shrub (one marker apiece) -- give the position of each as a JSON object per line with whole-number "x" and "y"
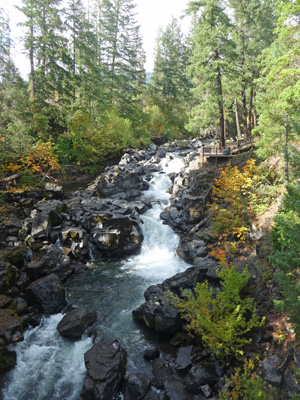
{"x": 233, "y": 201}
{"x": 221, "y": 318}
{"x": 246, "y": 385}
{"x": 41, "y": 159}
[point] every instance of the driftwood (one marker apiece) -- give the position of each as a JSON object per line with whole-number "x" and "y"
{"x": 11, "y": 178}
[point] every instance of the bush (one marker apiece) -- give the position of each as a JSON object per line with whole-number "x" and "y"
{"x": 232, "y": 201}
{"x": 246, "y": 385}
{"x": 223, "y": 319}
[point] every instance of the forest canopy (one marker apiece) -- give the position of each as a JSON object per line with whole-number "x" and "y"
{"x": 235, "y": 75}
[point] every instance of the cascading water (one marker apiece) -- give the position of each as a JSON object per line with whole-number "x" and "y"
{"x": 51, "y": 367}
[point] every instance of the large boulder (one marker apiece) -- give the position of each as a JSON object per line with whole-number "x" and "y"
{"x": 159, "y": 315}
{"x": 75, "y": 322}
{"x": 137, "y": 386}
{"x": 48, "y": 294}
{"x": 49, "y": 259}
{"x": 117, "y": 236}
{"x": 199, "y": 376}
{"x": 8, "y": 276}
{"x": 125, "y": 180}
{"x": 74, "y": 241}
{"x": 106, "y": 366}
{"x": 270, "y": 370}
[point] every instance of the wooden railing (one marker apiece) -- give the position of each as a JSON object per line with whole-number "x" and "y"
{"x": 227, "y": 150}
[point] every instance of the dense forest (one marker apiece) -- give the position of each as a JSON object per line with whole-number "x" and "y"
{"x": 86, "y": 97}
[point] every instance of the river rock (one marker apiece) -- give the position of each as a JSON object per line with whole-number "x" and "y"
{"x": 199, "y": 376}
{"x": 175, "y": 390}
{"x": 48, "y": 294}
{"x": 74, "y": 242}
{"x": 75, "y": 322}
{"x": 269, "y": 370}
{"x": 137, "y": 386}
{"x": 8, "y": 276}
{"x": 53, "y": 191}
{"x": 184, "y": 358}
{"x": 151, "y": 353}
{"x": 161, "y": 316}
{"x": 121, "y": 179}
{"x": 40, "y": 225}
{"x": 11, "y": 327}
{"x": 106, "y": 366}
{"x": 49, "y": 259}
{"x": 161, "y": 372}
{"x": 117, "y": 237}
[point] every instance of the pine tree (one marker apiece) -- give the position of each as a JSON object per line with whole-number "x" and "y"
{"x": 169, "y": 88}
{"x": 279, "y": 101}
{"x": 252, "y": 32}
{"x": 210, "y": 61}
{"x": 120, "y": 54}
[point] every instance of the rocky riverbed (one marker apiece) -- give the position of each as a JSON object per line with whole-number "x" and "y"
{"x": 52, "y": 237}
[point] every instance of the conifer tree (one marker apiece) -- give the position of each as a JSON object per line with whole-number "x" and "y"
{"x": 279, "y": 101}
{"x": 210, "y": 61}
{"x": 169, "y": 88}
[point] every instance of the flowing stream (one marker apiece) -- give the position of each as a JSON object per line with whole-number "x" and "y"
{"x": 50, "y": 367}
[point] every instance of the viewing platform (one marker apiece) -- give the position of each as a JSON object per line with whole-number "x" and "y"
{"x": 213, "y": 153}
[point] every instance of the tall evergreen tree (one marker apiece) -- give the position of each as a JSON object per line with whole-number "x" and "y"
{"x": 169, "y": 81}
{"x": 169, "y": 88}
{"x": 252, "y": 32}
{"x": 210, "y": 61}
{"x": 47, "y": 50}
{"x": 279, "y": 101}
{"x": 120, "y": 54}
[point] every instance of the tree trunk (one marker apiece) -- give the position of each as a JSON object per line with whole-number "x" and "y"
{"x": 237, "y": 120}
{"x": 244, "y": 113}
{"x": 250, "y": 112}
{"x": 221, "y": 111}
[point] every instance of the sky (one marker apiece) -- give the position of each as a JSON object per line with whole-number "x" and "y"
{"x": 151, "y": 15}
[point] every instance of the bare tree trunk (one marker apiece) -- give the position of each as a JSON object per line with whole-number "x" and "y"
{"x": 237, "y": 120}
{"x": 221, "y": 111}
{"x": 250, "y": 112}
{"x": 244, "y": 113}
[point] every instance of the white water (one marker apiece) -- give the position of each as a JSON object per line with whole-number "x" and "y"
{"x": 50, "y": 367}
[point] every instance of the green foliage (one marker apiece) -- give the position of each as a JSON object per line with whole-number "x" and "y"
{"x": 246, "y": 385}
{"x": 286, "y": 238}
{"x": 221, "y": 319}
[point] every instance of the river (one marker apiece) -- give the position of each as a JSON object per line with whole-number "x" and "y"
{"x": 50, "y": 367}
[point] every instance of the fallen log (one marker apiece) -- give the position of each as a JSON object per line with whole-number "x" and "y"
{"x": 11, "y": 178}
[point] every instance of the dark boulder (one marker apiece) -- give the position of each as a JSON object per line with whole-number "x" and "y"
{"x": 151, "y": 353}
{"x": 175, "y": 390}
{"x": 121, "y": 179}
{"x": 53, "y": 191}
{"x": 117, "y": 237}
{"x": 270, "y": 372}
{"x": 161, "y": 372}
{"x": 184, "y": 358}
{"x": 106, "y": 366}
{"x": 75, "y": 322}
{"x": 8, "y": 277}
{"x": 137, "y": 386}
{"x": 198, "y": 376}
{"x": 74, "y": 242}
{"x": 161, "y": 316}
{"x": 49, "y": 259}
{"x": 48, "y": 294}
